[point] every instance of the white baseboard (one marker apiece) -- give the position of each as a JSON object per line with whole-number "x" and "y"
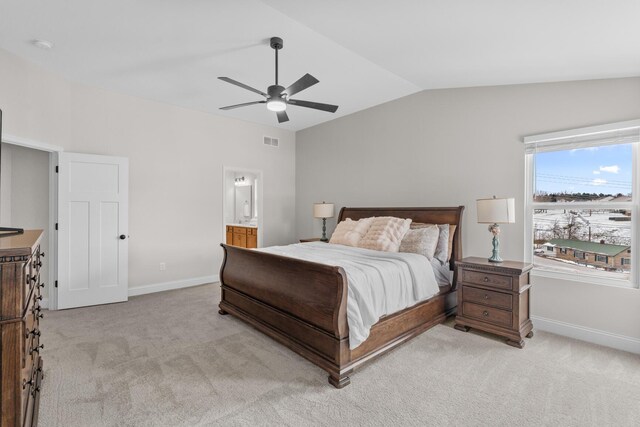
{"x": 176, "y": 284}
{"x": 582, "y": 333}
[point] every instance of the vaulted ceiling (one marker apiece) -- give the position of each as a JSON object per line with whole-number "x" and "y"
{"x": 364, "y": 52}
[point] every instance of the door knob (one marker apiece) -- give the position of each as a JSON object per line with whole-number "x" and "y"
{"x": 122, "y": 237}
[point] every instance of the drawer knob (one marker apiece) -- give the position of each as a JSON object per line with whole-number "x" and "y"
{"x": 41, "y": 285}
{"x": 40, "y": 298}
{"x": 41, "y": 316}
{"x": 486, "y": 279}
{"x": 42, "y": 254}
{"x": 37, "y": 349}
{"x": 486, "y": 296}
{"x": 35, "y": 391}
{"x": 32, "y": 279}
{"x": 37, "y": 264}
{"x": 25, "y": 383}
{"x": 485, "y": 313}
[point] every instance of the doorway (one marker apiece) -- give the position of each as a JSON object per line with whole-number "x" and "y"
{"x": 27, "y": 198}
{"x": 242, "y": 207}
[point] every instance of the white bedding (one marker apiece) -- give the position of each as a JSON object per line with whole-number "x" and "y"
{"x": 380, "y": 283}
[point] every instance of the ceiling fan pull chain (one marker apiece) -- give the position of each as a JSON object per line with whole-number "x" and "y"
{"x": 276, "y": 65}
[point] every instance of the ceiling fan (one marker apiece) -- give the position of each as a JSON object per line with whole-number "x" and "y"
{"x": 277, "y": 97}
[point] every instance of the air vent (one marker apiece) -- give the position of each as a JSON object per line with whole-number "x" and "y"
{"x": 271, "y": 141}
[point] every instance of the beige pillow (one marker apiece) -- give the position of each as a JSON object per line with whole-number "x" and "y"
{"x": 421, "y": 241}
{"x": 452, "y": 229}
{"x": 349, "y": 232}
{"x": 385, "y": 234}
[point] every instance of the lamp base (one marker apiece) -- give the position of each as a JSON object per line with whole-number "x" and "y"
{"x": 495, "y": 253}
{"x": 324, "y": 231}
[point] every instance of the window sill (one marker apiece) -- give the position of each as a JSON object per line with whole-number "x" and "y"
{"x": 581, "y": 278}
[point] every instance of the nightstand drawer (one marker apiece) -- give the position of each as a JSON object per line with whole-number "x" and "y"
{"x": 487, "y": 314}
{"x": 483, "y": 296}
{"x": 486, "y": 279}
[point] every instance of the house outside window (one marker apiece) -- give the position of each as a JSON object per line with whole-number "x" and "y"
{"x": 580, "y": 197}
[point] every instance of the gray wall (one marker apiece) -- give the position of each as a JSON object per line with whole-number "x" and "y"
{"x": 450, "y": 147}
{"x": 30, "y": 196}
{"x": 176, "y": 158}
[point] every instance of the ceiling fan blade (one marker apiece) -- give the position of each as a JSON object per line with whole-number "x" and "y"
{"x": 282, "y": 116}
{"x": 315, "y": 105}
{"x": 231, "y": 107}
{"x": 242, "y": 85}
{"x": 303, "y": 82}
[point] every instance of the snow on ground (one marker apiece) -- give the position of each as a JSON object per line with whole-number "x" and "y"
{"x": 613, "y": 232}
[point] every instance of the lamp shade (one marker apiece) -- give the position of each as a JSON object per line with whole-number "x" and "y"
{"x": 496, "y": 211}
{"x": 323, "y": 210}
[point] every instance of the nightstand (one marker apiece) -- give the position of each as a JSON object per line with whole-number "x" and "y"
{"x": 494, "y": 297}
{"x": 311, "y": 239}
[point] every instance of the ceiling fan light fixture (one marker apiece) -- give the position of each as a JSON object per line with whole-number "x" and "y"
{"x": 276, "y": 104}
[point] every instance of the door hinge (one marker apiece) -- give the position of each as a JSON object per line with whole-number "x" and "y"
{"x": 56, "y": 225}
{"x": 56, "y": 284}
{"x": 57, "y": 170}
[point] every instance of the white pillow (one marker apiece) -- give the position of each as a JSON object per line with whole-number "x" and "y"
{"x": 385, "y": 234}
{"x": 349, "y": 232}
{"x": 421, "y": 241}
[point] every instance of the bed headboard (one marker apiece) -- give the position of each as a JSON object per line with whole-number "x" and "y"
{"x": 425, "y": 215}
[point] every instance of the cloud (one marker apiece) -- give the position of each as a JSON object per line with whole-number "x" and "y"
{"x": 599, "y": 181}
{"x": 610, "y": 169}
{"x": 596, "y": 172}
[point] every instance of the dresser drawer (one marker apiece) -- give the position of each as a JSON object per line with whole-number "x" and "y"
{"x": 487, "y": 279}
{"x": 240, "y": 230}
{"x": 487, "y": 314}
{"x": 483, "y": 296}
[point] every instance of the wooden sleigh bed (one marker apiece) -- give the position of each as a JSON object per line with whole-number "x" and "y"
{"x": 303, "y": 304}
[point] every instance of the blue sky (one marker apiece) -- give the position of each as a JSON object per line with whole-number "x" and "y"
{"x": 606, "y": 169}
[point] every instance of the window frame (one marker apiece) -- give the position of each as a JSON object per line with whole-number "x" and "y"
{"x": 568, "y": 139}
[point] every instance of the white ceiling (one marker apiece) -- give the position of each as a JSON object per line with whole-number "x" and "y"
{"x": 364, "y": 52}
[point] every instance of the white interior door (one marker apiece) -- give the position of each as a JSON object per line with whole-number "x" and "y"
{"x": 93, "y": 199}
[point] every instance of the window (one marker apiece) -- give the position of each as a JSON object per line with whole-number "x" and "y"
{"x": 581, "y": 198}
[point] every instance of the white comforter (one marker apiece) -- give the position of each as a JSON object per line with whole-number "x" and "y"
{"x": 380, "y": 283}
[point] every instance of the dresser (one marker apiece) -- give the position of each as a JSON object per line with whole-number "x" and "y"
{"x": 20, "y": 314}
{"x": 242, "y": 236}
{"x": 494, "y": 297}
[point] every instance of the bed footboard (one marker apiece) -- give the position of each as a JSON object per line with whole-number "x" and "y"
{"x": 299, "y": 303}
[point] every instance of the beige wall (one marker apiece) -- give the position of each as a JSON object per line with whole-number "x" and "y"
{"x": 176, "y": 165}
{"x": 450, "y": 147}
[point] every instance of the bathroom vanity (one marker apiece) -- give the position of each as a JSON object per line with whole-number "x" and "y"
{"x": 244, "y": 236}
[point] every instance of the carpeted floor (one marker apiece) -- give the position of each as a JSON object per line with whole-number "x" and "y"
{"x": 168, "y": 359}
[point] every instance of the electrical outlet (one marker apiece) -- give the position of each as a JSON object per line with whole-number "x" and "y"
{"x": 163, "y": 266}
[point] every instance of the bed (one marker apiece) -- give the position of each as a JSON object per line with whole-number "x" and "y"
{"x": 303, "y": 304}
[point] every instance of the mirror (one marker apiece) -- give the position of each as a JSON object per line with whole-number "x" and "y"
{"x": 244, "y": 206}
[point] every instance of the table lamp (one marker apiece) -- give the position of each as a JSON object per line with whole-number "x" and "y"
{"x": 496, "y": 211}
{"x": 323, "y": 210}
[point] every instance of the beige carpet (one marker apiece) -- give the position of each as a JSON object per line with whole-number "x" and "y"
{"x": 169, "y": 359}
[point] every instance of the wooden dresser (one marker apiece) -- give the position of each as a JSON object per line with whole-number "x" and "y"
{"x": 20, "y": 313}
{"x": 494, "y": 297}
{"x": 244, "y": 237}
